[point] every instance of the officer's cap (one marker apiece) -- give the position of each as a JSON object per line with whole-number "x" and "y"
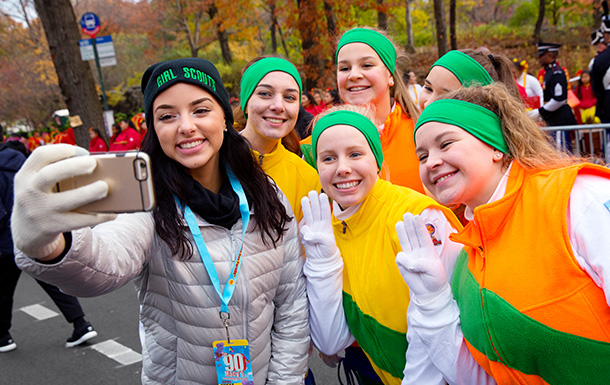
{"x": 547, "y": 47}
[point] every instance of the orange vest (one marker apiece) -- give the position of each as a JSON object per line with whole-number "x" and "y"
{"x": 399, "y": 151}
{"x": 529, "y": 313}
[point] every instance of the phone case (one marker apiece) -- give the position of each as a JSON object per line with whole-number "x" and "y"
{"x": 129, "y": 178}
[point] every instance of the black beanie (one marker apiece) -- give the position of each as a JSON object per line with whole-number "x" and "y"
{"x": 200, "y": 72}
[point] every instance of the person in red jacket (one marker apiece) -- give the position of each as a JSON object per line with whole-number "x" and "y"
{"x": 143, "y": 129}
{"x": 97, "y": 144}
{"x": 116, "y": 130}
{"x": 35, "y": 140}
{"x": 585, "y": 112}
{"x": 65, "y": 136}
{"x": 128, "y": 139}
{"x": 309, "y": 103}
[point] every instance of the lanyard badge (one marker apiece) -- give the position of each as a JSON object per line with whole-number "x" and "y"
{"x": 235, "y": 354}
{"x": 233, "y": 365}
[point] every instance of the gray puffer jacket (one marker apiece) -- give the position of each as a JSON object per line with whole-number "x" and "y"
{"x": 179, "y": 306}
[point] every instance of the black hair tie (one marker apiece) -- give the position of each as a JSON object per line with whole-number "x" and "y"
{"x": 493, "y": 60}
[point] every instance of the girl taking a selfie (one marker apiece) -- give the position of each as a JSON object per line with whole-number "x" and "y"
{"x": 217, "y": 264}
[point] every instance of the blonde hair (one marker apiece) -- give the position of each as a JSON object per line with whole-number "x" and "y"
{"x": 398, "y": 91}
{"x": 527, "y": 142}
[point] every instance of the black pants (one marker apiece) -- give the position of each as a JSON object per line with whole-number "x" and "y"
{"x": 357, "y": 368}
{"x": 9, "y": 275}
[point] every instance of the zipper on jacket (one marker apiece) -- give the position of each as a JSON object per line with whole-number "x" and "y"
{"x": 260, "y": 159}
{"x": 233, "y": 246}
{"x": 344, "y": 226}
{"x": 481, "y": 253}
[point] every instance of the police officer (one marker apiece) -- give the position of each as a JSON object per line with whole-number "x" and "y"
{"x": 600, "y": 79}
{"x": 555, "y": 111}
{"x": 599, "y": 42}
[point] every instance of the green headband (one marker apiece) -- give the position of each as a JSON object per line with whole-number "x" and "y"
{"x": 381, "y": 44}
{"x": 257, "y": 71}
{"x": 468, "y": 71}
{"x": 478, "y": 121}
{"x": 353, "y": 119}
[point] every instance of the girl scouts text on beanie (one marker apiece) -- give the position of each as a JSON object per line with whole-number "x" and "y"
{"x": 189, "y": 73}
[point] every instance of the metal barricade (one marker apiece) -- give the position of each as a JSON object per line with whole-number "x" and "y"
{"x": 590, "y": 128}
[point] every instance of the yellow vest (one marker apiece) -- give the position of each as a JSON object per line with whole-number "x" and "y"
{"x": 291, "y": 174}
{"x": 375, "y": 296}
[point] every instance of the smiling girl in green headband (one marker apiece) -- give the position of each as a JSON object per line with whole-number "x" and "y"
{"x": 354, "y": 287}
{"x": 367, "y": 76}
{"x": 465, "y": 68}
{"x": 528, "y": 299}
{"x": 270, "y": 98}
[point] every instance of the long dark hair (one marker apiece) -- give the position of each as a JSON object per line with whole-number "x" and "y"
{"x": 335, "y": 95}
{"x": 171, "y": 179}
{"x": 310, "y": 97}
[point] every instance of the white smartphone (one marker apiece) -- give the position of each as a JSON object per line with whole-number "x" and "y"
{"x": 129, "y": 178}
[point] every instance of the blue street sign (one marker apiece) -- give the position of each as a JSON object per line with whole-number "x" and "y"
{"x": 90, "y": 23}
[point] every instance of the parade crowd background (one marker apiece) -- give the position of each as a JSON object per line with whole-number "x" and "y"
{"x": 303, "y": 32}
{"x": 464, "y": 140}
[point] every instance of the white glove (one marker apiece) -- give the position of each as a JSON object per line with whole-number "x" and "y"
{"x": 534, "y": 114}
{"x": 418, "y": 262}
{"x": 317, "y": 233}
{"x": 40, "y": 215}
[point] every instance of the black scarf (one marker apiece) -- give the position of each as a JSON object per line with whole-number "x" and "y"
{"x": 220, "y": 209}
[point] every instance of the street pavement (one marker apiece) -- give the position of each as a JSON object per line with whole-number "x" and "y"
{"x": 113, "y": 357}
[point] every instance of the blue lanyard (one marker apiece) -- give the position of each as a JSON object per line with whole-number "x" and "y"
{"x": 226, "y": 295}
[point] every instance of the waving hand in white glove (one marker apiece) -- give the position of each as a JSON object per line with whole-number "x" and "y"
{"x": 40, "y": 215}
{"x": 418, "y": 262}
{"x": 317, "y": 232}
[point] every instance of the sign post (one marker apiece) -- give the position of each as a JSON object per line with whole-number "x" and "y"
{"x": 90, "y": 25}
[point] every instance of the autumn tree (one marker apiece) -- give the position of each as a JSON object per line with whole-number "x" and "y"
{"x": 382, "y": 15}
{"x": 538, "y": 27}
{"x": 452, "y": 24}
{"x": 331, "y": 21}
{"x": 312, "y": 43}
{"x": 28, "y": 81}
{"x": 274, "y": 26}
{"x": 221, "y": 32}
{"x": 190, "y": 16}
{"x": 74, "y": 75}
{"x": 441, "y": 34}
{"x": 410, "y": 47}
{"x": 207, "y": 21}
